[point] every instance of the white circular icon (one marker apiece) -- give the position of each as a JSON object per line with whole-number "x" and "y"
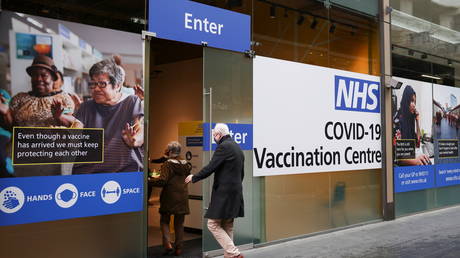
{"x": 11, "y": 199}
{"x": 66, "y": 195}
{"x": 111, "y": 192}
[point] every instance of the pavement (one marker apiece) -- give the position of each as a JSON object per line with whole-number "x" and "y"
{"x": 430, "y": 234}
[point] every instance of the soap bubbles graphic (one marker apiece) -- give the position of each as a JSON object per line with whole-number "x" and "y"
{"x": 11, "y": 199}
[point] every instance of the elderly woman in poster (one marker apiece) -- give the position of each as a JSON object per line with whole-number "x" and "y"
{"x": 119, "y": 114}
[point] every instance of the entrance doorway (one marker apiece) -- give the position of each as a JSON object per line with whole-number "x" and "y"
{"x": 192, "y": 87}
{"x": 175, "y": 114}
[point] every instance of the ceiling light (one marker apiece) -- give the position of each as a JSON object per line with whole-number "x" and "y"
{"x": 20, "y": 14}
{"x": 353, "y": 31}
{"x": 50, "y": 31}
{"x": 34, "y": 22}
{"x": 300, "y": 20}
{"x": 313, "y": 23}
{"x": 235, "y": 3}
{"x": 431, "y": 77}
{"x": 272, "y": 11}
{"x": 138, "y": 20}
{"x": 332, "y": 28}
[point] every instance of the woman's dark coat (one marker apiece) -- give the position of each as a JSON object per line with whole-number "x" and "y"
{"x": 174, "y": 195}
{"x": 227, "y": 191}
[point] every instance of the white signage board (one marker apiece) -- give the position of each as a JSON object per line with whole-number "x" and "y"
{"x": 310, "y": 119}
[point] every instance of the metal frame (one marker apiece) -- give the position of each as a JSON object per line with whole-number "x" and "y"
{"x": 388, "y": 205}
{"x": 146, "y": 36}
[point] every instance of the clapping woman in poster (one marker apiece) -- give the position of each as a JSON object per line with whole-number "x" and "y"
{"x": 40, "y": 107}
{"x": 407, "y": 119}
{"x": 120, "y": 115}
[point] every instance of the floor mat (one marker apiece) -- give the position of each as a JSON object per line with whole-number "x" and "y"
{"x": 192, "y": 249}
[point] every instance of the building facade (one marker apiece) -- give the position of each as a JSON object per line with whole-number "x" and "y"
{"x": 346, "y": 113}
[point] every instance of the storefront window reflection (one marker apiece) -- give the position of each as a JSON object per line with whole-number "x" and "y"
{"x": 309, "y": 32}
{"x": 425, "y": 37}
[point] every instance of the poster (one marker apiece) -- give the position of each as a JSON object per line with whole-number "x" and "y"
{"x": 412, "y": 136}
{"x": 28, "y": 46}
{"x": 71, "y": 127}
{"x": 426, "y": 131}
{"x": 310, "y": 119}
{"x": 446, "y": 125}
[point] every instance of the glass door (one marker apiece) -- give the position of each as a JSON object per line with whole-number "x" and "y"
{"x": 227, "y": 98}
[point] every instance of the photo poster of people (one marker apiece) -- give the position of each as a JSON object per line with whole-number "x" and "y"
{"x": 412, "y": 136}
{"x": 71, "y": 120}
{"x": 446, "y": 128}
{"x": 425, "y": 135}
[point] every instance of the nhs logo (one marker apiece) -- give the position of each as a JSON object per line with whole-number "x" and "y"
{"x": 357, "y": 95}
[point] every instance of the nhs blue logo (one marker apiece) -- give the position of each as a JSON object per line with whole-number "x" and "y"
{"x": 357, "y": 95}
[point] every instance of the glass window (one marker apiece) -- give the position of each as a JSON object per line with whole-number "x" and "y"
{"x": 116, "y": 235}
{"x": 425, "y": 37}
{"x": 308, "y": 32}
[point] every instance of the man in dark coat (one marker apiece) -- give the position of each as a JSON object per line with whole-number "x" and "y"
{"x": 227, "y": 191}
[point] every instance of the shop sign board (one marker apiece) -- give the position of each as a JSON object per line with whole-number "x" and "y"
{"x": 310, "y": 119}
{"x": 196, "y": 23}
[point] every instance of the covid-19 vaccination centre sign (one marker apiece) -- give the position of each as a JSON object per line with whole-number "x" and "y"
{"x": 310, "y": 119}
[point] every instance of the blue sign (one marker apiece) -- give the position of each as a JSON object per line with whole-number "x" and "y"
{"x": 240, "y": 133}
{"x": 46, "y": 198}
{"x": 195, "y": 23}
{"x": 413, "y": 178}
{"x": 354, "y": 94}
{"x": 447, "y": 174}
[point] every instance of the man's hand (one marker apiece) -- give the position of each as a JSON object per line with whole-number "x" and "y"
{"x": 188, "y": 179}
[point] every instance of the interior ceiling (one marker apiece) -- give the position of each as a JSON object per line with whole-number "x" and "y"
{"x": 118, "y": 14}
{"x": 114, "y": 14}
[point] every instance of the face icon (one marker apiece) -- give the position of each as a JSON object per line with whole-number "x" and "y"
{"x": 102, "y": 91}
{"x": 42, "y": 81}
{"x": 412, "y": 104}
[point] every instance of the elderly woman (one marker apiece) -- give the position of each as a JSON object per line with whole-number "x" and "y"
{"x": 40, "y": 107}
{"x": 174, "y": 196}
{"x": 120, "y": 115}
